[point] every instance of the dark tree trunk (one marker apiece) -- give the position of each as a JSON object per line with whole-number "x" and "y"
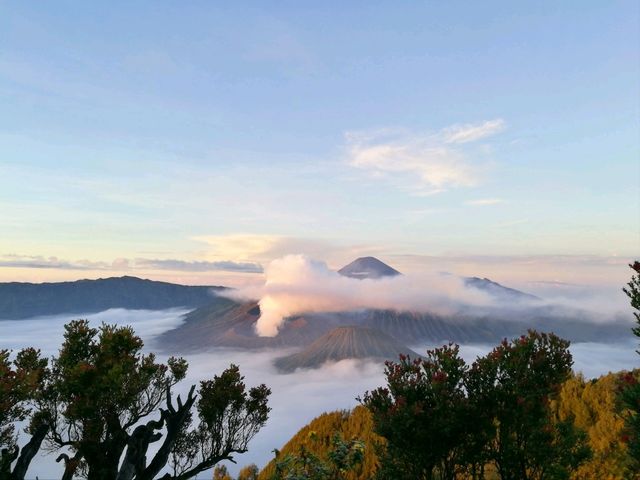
{"x": 104, "y": 458}
{"x": 7, "y": 457}
{"x": 70, "y": 465}
{"x": 135, "y": 460}
{"x": 28, "y": 452}
{"x": 173, "y": 418}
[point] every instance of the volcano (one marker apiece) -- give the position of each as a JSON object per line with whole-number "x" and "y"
{"x": 226, "y": 322}
{"x": 368, "y": 267}
{"x": 343, "y": 343}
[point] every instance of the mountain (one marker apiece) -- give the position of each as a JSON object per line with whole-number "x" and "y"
{"x": 371, "y": 267}
{"x": 226, "y": 323}
{"x": 23, "y": 300}
{"x": 343, "y": 343}
{"x": 497, "y": 291}
{"x": 368, "y": 267}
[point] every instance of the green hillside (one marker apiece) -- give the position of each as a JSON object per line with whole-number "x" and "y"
{"x": 316, "y": 437}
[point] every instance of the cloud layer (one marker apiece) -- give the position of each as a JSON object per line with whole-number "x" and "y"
{"x": 122, "y": 264}
{"x": 433, "y": 162}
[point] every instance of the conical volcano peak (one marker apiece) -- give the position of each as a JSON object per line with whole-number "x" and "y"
{"x": 368, "y": 267}
{"x": 346, "y": 342}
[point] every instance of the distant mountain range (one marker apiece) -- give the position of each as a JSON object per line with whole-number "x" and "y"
{"x": 323, "y": 336}
{"x": 24, "y": 300}
{"x": 217, "y": 321}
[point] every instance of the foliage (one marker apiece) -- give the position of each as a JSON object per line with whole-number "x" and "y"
{"x": 444, "y": 420}
{"x": 221, "y": 473}
{"x": 317, "y": 438}
{"x": 248, "y": 472}
{"x": 229, "y": 417}
{"x": 342, "y": 458}
{"x": 101, "y": 389}
{"x": 630, "y": 396}
{"x": 20, "y": 383}
{"x": 633, "y": 292}
{"x": 630, "y": 393}
{"x": 594, "y": 407}
{"x": 528, "y": 443}
{"x": 420, "y": 413}
{"x": 101, "y": 386}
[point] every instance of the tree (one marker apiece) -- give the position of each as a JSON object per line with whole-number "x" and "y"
{"x": 529, "y": 443}
{"x": 342, "y": 458}
{"x": 594, "y": 407}
{"x": 633, "y": 292}
{"x": 229, "y": 417}
{"x": 421, "y": 413}
{"x": 20, "y": 382}
{"x": 630, "y": 393}
{"x": 102, "y": 401}
{"x": 248, "y": 472}
{"x": 444, "y": 420}
{"x": 221, "y": 473}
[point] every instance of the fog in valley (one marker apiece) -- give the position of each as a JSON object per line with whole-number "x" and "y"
{"x": 296, "y": 398}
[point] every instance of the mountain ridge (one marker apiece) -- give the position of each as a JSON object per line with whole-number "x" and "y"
{"x": 20, "y": 300}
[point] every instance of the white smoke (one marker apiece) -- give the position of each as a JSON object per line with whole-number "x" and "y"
{"x": 296, "y": 284}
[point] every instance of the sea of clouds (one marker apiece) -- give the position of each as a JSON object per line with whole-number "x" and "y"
{"x": 297, "y": 398}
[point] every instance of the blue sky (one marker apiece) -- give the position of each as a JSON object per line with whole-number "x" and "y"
{"x": 195, "y": 141}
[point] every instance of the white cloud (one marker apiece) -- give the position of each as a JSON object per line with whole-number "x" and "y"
{"x": 472, "y": 132}
{"x": 297, "y": 284}
{"x": 431, "y": 163}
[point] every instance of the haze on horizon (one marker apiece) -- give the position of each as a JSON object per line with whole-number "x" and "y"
{"x": 196, "y": 143}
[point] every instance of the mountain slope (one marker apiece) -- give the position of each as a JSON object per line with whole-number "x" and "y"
{"x": 368, "y": 267}
{"x": 225, "y": 323}
{"x": 23, "y": 300}
{"x": 316, "y": 437}
{"x": 230, "y": 324}
{"x": 344, "y": 343}
{"x": 497, "y": 291}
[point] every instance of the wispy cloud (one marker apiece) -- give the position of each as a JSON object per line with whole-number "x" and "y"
{"x": 431, "y": 162}
{"x": 262, "y": 249}
{"x": 471, "y": 132}
{"x": 39, "y": 261}
{"x": 481, "y": 202}
{"x": 202, "y": 266}
{"x": 240, "y": 247}
{"x": 124, "y": 264}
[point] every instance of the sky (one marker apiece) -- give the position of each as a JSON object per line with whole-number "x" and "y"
{"x": 197, "y": 141}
